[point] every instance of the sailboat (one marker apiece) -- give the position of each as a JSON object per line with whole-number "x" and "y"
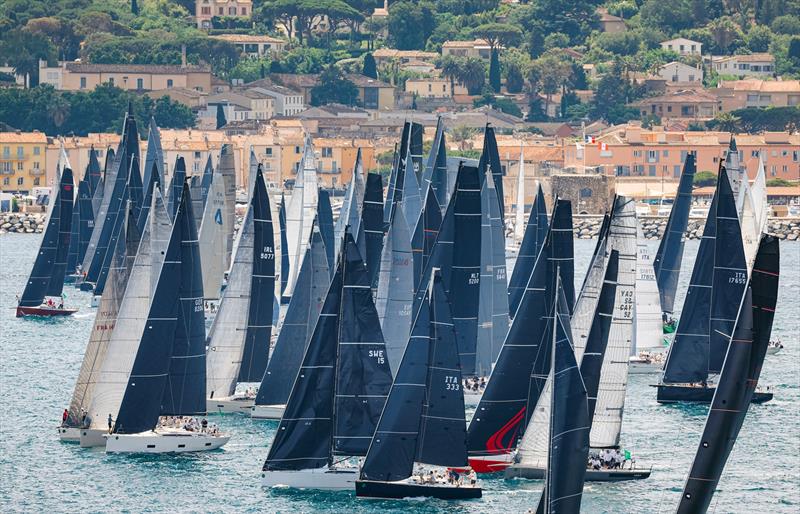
{"x": 301, "y": 213}
{"x": 423, "y": 420}
{"x": 339, "y": 391}
{"x": 211, "y": 236}
{"x": 325, "y": 220}
{"x": 647, "y": 347}
{"x": 227, "y": 168}
{"x": 42, "y": 293}
{"x": 352, "y": 206}
{"x": 301, "y": 316}
{"x": 168, "y": 374}
{"x": 519, "y": 207}
{"x": 718, "y": 283}
{"x": 667, "y": 263}
{"x": 737, "y": 380}
{"x": 235, "y": 354}
{"x": 521, "y": 370}
{"x": 568, "y": 441}
{"x": 435, "y": 175}
{"x": 94, "y": 359}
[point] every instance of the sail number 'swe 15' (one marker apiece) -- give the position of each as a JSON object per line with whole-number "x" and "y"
{"x": 378, "y": 355}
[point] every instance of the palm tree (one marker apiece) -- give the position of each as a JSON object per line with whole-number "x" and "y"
{"x": 727, "y": 122}
{"x": 461, "y": 134}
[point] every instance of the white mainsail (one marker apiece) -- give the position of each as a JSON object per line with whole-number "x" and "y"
{"x": 586, "y": 303}
{"x": 607, "y": 423}
{"x": 300, "y": 214}
{"x": 211, "y": 239}
{"x": 648, "y": 331}
{"x": 227, "y": 335}
{"x": 535, "y": 445}
{"x": 112, "y": 376}
{"x": 519, "y": 220}
{"x": 350, "y": 213}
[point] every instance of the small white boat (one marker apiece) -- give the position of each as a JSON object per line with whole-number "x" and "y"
{"x": 165, "y": 440}
{"x": 267, "y": 411}
{"x": 646, "y": 363}
{"x": 330, "y": 478}
{"x": 94, "y": 302}
{"x": 241, "y": 404}
{"x": 69, "y": 434}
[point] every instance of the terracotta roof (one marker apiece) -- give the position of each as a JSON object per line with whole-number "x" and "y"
{"x": 764, "y": 86}
{"x": 757, "y": 57}
{"x": 155, "y": 69}
{"x": 680, "y": 97}
{"x": 364, "y": 81}
{"x": 23, "y": 137}
{"x": 465, "y": 44}
{"x": 410, "y": 54}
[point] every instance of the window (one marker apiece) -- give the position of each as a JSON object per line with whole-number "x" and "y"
{"x": 5, "y": 181}
{"x": 691, "y": 78}
{"x": 111, "y": 81}
{"x": 327, "y": 152}
{"x": 36, "y": 181}
{"x": 665, "y": 153}
{"x": 244, "y": 11}
{"x": 268, "y": 151}
{"x": 139, "y": 83}
{"x": 371, "y": 98}
{"x": 296, "y": 149}
{"x": 221, "y": 11}
{"x": 676, "y": 171}
{"x": 444, "y": 88}
{"x": 586, "y": 192}
{"x": 36, "y": 165}
{"x": 21, "y": 181}
{"x": 652, "y": 155}
{"x": 232, "y": 11}
{"x": 19, "y": 165}
{"x": 83, "y": 82}
{"x": 651, "y": 170}
{"x": 637, "y": 153}
{"x": 430, "y": 88}
{"x": 197, "y": 155}
{"x": 206, "y": 11}
{"x": 169, "y": 83}
{"x": 20, "y": 152}
{"x": 754, "y": 153}
{"x": 37, "y": 150}
{"x": 6, "y": 152}
{"x": 752, "y": 98}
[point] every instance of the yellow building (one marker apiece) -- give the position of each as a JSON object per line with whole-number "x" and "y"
{"x": 23, "y": 161}
{"x": 205, "y": 10}
{"x": 76, "y": 76}
{"x": 429, "y": 87}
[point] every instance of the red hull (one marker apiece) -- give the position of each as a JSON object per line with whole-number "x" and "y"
{"x": 44, "y": 311}
{"x": 493, "y": 464}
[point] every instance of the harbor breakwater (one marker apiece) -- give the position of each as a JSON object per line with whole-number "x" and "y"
{"x": 585, "y": 226}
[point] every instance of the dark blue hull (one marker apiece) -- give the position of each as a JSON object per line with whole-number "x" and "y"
{"x": 686, "y": 393}
{"x": 400, "y": 490}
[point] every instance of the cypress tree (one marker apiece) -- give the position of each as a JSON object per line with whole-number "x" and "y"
{"x": 221, "y": 121}
{"x": 494, "y": 72}
{"x": 370, "y": 70}
{"x": 134, "y": 7}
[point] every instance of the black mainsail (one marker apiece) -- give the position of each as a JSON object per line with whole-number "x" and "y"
{"x": 532, "y": 242}
{"x": 737, "y": 382}
{"x": 284, "y": 244}
{"x": 435, "y": 175}
{"x": 491, "y": 157}
{"x": 370, "y": 231}
{"x": 325, "y": 218}
{"x": 667, "y": 263}
{"x": 47, "y": 275}
{"x": 176, "y": 185}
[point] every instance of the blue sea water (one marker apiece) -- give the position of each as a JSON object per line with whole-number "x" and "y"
{"x": 39, "y": 360}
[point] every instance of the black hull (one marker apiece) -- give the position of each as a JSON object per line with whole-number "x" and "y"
{"x": 602, "y": 475}
{"x": 683, "y": 393}
{"x": 86, "y": 286}
{"x": 400, "y": 490}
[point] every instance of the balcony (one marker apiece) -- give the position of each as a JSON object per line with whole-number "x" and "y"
{"x": 36, "y": 172}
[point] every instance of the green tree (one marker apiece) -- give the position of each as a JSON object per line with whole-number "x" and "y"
{"x": 556, "y": 40}
{"x": 23, "y": 50}
{"x": 759, "y": 38}
{"x": 727, "y": 122}
{"x": 134, "y": 7}
{"x": 704, "y": 179}
{"x": 612, "y": 96}
{"x": 472, "y": 73}
{"x": 451, "y": 69}
{"x": 461, "y": 134}
{"x": 250, "y": 69}
{"x": 221, "y": 121}
{"x": 551, "y": 73}
{"x": 725, "y": 32}
{"x": 369, "y": 69}
{"x": 514, "y": 79}
{"x": 334, "y": 87}
{"x": 494, "y": 71}
{"x": 410, "y": 24}
{"x": 498, "y": 34}
{"x": 786, "y": 24}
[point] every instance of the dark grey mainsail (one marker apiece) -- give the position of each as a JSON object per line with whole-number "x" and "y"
{"x": 424, "y": 237}
{"x": 737, "y": 382}
{"x": 522, "y": 366}
{"x": 142, "y": 400}
{"x": 176, "y": 185}
{"x": 93, "y": 173}
{"x": 47, "y": 274}
{"x": 394, "y": 190}
{"x": 423, "y": 420}
{"x": 340, "y": 390}
{"x": 325, "y": 218}
{"x": 370, "y": 233}
{"x": 185, "y": 390}
{"x": 532, "y": 241}
{"x": 301, "y": 316}
{"x": 569, "y": 422}
{"x": 227, "y": 168}
{"x": 75, "y": 226}
{"x": 435, "y": 175}
{"x": 154, "y": 157}
{"x": 284, "y": 244}
{"x": 493, "y": 308}
{"x": 667, "y": 263}
{"x": 151, "y": 184}
{"x": 490, "y": 157}
{"x": 255, "y": 353}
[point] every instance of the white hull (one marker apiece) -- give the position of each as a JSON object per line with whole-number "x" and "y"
{"x": 168, "y": 441}
{"x": 639, "y": 366}
{"x": 94, "y": 302}
{"x": 69, "y": 434}
{"x": 267, "y": 411}
{"x": 230, "y": 405}
{"x": 772, "y": 350}
{"x": 336, "y": 479}
{"x": 92, "y": 437}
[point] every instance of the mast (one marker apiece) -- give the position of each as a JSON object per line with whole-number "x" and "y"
{"x": 569, "y": 422}
{"x": 738, "y": 379}
{"x": 667, "y": 263}
{"x": 47, "y": 275}
{"x": 424, "y": 236}
{"x": 519, "y": 220}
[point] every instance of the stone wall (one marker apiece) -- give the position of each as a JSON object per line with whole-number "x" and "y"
{"x": 22, "y": 223}
{"x": 586, "y": 227}
{"x": 589, "y": 194}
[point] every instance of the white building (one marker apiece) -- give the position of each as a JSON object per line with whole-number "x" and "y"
{"x": 288, "y": 102}
{"x": 752, "y": 65}
{"x": 679, "y": 72}
{"x": 254, "y": 45}
{"x": 683, "y": 46}
{"x": 240, "y": 105}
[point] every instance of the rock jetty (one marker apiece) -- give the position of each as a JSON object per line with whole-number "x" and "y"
{"x": 22, "y": 223}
